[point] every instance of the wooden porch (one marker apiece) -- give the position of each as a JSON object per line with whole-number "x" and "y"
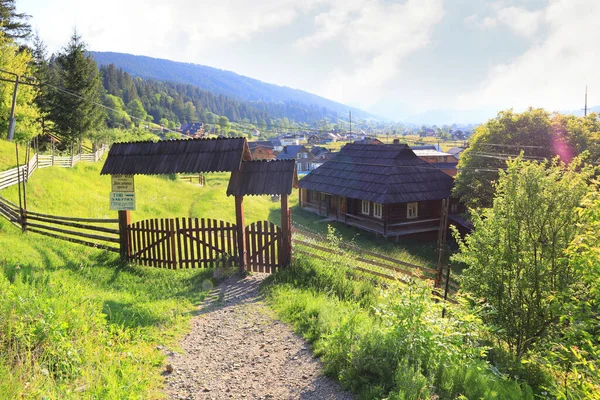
{"x": 379, "y": 227}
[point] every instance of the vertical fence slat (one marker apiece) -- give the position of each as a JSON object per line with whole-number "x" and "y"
{"x": 173, "y": 241}
{"x": 197, "y": 236}
{"x": 204, "y": 253}
{"x": 191, "y": 236}
{"x": 178, "y": 234}
{"x": 222, "y": 247}
{"x": 183, "y": 235}
{"x": 153, "y": 228}
{"x": 273, "y": 239}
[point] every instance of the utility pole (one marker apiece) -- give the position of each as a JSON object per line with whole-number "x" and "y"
{"x": 11, "y": 121}
{"x": 585, "y": 108}
{"x": 350, "y": 122}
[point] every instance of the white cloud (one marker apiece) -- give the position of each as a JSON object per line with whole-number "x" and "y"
{"x": 378, "y": 36}
{"x": 552, "y": 73}
{"x": 521, "y": 21}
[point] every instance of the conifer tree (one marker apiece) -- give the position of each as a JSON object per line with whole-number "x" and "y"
{"x": 13, "y": 24}
{"x": 75, "y": 110}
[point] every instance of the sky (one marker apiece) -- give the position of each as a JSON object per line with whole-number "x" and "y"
{"x": 404, "y": 60}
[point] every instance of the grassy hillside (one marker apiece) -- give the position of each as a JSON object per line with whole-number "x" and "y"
{"x": 8, "y": 158}
{"x": 82, "y": 192}
{"x": 74, "y": 323}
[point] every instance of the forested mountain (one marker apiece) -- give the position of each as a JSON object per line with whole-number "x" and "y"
{"x": 181, "y": 103}
{"x": 279, "y": 101}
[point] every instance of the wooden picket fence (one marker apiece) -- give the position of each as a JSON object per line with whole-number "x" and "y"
{"x": 182, "y": 242}
{"x": 264, "y": 247}
{"x": 11, "y": 177}
{"x": 176, "y": 243}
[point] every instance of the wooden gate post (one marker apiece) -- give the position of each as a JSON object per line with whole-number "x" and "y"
{"x": 241, "y": 231}
{"x": 124, "y": 245}
{"x": 286, "y": 246}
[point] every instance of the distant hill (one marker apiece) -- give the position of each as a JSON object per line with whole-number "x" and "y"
{"x": 221, "y": 82}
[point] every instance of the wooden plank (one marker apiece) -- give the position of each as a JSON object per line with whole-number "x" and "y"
{"x": 154, "y": 241}
{"x": 204, "y": 250}
{"x": 138, "y": 235}
{"x": 274, "y": 246}
{"x": 209, "y": 238}
{"x": 178, "y": 234}
{"x": 197, "y": 232}
{"x": 185, "y": 262}
{"x": 94, "y": 220}
{"x": 143, "y": 245}
{"x": 222, "y": 244}
{"x": 78, "y": 241}
{"x": 73, "y": 224}
{"x": 75, "y": 233}
{"x": 255, "y": 247}
{"x": 173, "y": 244}
{"x": 161, "y": 249}
{"x": 259, "y": 240}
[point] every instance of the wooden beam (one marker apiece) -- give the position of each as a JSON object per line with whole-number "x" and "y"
{"x": 241, "y": 232}
{"x": 124, "y": 244}
{"x": 286, "y": 245}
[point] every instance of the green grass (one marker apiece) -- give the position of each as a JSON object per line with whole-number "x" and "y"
{"x": 82, "y": 192}
{"x": 8, "y": 157}
{"x": 74, "y": 323}
{"x": 387, "y": 343}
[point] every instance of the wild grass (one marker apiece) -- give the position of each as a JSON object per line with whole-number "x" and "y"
{"x": 388, "y": 343}
{"x": 75, "y": 323}
{"x": 8, "y": 157}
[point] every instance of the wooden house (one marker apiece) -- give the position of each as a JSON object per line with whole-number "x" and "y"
{"x": 446, "y": 162}
{"x": 385, "y": 189}
{"x": 368, "y": 140}
{"x": 299, "y": 153}
{"x": 262, "y": 152}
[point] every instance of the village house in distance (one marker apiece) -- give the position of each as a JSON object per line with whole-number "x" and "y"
{"x": 381, "y": 188}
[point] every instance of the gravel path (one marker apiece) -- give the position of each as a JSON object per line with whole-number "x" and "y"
{"x": 238, "y": 350}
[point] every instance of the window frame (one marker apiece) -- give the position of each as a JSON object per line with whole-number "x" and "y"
{"x": 368, "y": 207}
{"x": 376, "y": 207}
{"x": 412, "y": 206}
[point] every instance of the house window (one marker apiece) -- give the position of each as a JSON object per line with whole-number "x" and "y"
{"x": 366, "y": 207}
{"x": 377, "y": 210}
{"x": 412, "y": 210}
{"x": 454, "y": 208}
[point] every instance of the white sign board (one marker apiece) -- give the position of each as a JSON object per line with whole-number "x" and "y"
{"x": 122, "y": 201}
{"x": 122, "y": 183}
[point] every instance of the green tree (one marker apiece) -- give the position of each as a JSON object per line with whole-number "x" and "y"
{"x": 44, "y": 74}
{"x": 135, "y": 108}
{"x": 117, "y": 117}
{"x": 494, "y": 142}
{"x": 516, "y": 255}
{"x": 26, "y": 112}
{"x": 75, "y": 110}
{"x": 13, "y": 24}
{"x": 223, "y": 124}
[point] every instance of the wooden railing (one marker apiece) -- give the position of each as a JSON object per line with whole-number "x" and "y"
{"x": 11, "y": 177}
{"x": 368, "y": 262}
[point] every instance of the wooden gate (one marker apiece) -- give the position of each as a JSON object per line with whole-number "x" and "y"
{"x": 264, "y": 247}
{"x": 182, "y": 242}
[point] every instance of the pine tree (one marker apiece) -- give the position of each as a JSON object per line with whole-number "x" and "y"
{"x": 13, "y": 24}
{"x": 75, "y": 110}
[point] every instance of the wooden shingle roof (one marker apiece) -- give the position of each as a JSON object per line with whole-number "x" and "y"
{"x": 381, "y": 173}
{"x": 176, "y": 156}
{"x": 255, "y": 178}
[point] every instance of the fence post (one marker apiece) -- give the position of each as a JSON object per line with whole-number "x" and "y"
{"x": 446, "y": 290}
{"x": 241, "y": 231}
{"x": 285, "y": 231}
{"x": 124, "y": 245}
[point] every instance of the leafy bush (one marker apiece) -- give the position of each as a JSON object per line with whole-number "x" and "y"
{"x": 388, "y": 343}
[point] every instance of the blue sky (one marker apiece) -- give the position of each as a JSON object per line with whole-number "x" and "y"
{"x": 393, "y": 58}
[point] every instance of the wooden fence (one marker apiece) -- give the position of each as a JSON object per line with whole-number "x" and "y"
{"x": 91, "y": 232}
{"x": 11, "y": 177}
{"x": 182, "y": 242}
{"x": 365, "y": 261}
{"x": 199, "y": 179}
{"x": 264, "y": 247}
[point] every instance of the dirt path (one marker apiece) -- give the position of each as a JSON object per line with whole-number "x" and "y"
{"x": 238, "y": 350}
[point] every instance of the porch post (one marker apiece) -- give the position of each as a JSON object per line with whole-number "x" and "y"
{"x": 241, "y": 231}
{"x": 286, "y": 245}
{"x": 124, "y": 245}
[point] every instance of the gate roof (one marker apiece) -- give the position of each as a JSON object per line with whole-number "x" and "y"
{"x": 176, "y": 156}
{"x": 263, "y": 178}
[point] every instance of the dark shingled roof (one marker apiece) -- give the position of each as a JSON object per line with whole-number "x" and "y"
{"x": 263, "y": 177}
{"x": 176, "y": 156}
{"x": 381, "y": 173}
{"x": 289, "y": 152}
